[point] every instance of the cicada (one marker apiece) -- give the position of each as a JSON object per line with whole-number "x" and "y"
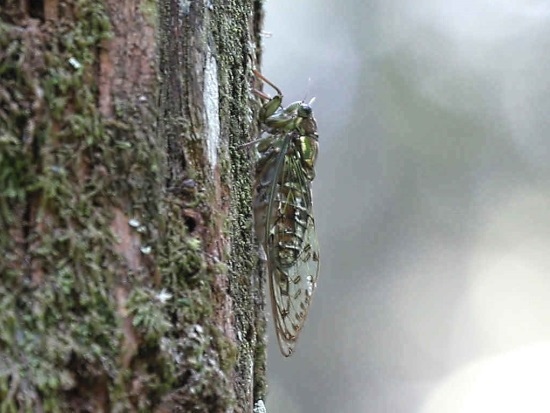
{"x": 283, "y": 210}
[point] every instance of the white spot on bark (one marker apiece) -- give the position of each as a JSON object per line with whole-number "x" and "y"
{"x": 185, "y": 6}
{"x": 164, "y": 296}
{"x": 211, "y": 107}
{"x": 259, "y": 407}
{"x": 75, "y": 63}
{"x": 134, "y": 223}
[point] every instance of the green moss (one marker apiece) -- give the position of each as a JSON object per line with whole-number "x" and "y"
{"x": 60, "y": 324}
{"x": 145, "y": 308}
{"x": 200, "y": 354}
{"x": 235, "y": 71}
{"x": 65, "y": 169}
{"x": 150, "y": 11}
{"x": 16, "y": 167}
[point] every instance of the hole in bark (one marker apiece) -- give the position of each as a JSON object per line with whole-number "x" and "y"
{"x": 192, "y": 220}
{"x": 190, "y": 223}
{"x": 36, "y": 8}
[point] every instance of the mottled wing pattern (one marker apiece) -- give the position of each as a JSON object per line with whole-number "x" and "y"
{"x": 291, "y": 244}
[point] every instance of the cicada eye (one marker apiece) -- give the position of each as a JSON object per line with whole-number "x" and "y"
{"x": 304, "y": 110}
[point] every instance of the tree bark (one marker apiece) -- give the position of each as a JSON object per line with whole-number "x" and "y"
{"x": 128, "y": 268}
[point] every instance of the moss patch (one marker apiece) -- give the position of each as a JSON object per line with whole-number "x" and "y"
{"x": 63, "y": 170}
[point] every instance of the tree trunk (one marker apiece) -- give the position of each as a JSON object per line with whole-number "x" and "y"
{"x": 128, "y": 278}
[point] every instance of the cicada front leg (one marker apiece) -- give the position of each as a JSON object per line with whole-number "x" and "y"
{"x": 272, "y": 104}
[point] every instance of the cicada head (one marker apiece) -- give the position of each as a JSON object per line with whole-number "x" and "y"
{"x": 304, "y": 111}
{"x": 305, "y": 122}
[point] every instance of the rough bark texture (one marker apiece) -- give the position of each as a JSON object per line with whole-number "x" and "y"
{"x": 127, "y": 264}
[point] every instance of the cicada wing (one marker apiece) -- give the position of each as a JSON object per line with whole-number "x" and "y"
{"x": 292, "y": 291}
{"x": 268, "y": 172}
{"x": 291, "y": 247}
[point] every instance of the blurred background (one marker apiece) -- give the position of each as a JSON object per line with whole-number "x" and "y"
{"x": 432, "y": 204}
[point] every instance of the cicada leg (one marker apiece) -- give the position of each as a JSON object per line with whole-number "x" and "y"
{"x": 254, "y": 142}
{"x": 261, "y": 94}
{"x": 266, "y": 80}
{"x": 272, "y": 104}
